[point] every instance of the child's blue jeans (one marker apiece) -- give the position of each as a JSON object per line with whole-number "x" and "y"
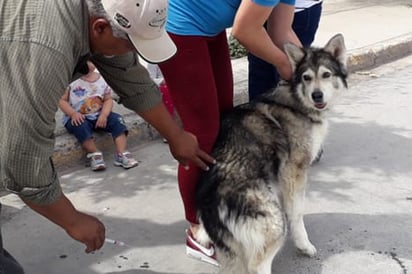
{"x": 115, "y": 126}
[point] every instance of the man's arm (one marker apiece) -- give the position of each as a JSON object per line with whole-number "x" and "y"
{"x": 80, "y": 226}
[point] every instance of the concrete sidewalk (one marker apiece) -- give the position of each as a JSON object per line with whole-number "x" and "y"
{"x": 375, "y": 33}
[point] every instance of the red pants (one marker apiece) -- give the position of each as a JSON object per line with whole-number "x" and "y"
{"x": 200, "y": 82}
{"x": 167, "y": 99}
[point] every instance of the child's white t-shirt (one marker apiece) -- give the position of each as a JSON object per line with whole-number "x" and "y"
{"x": 87, "y": 97}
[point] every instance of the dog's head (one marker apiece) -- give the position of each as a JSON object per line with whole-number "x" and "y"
{"x": 319, "y": 73}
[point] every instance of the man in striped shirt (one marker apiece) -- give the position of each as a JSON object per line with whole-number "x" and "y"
{"x": 44, "y": 45}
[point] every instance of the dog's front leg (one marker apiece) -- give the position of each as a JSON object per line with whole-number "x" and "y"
{"x": 293, "y": 199}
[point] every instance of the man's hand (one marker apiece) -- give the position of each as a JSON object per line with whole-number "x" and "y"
{"x": 184, "y": 148}
{"x": 81, "y": 227}
{"x": 88, "y": 230}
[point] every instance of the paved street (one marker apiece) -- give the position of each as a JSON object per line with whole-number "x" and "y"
{"x": 359, "y": 201}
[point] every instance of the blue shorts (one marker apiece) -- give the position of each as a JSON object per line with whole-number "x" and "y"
{"x": 115, "y": 126}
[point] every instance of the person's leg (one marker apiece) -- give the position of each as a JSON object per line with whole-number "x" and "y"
{"x": 222, "y": 71}
{"x": 223, "y": 78}
{"x": 263, "y": 76}
{"x": 192, "y": 84}
{"x": 8, "y": 265}
{"x": 305, "y": 24}
{"x": 117, "y": 127}
{"x": 89, "y": 146}
{"x": 120, "y": 143}
{"x": 167, "y": 99}
{"x": 84, "y": 134}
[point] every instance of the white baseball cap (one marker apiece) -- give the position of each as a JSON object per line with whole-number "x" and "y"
{"x": 144, "y": 23}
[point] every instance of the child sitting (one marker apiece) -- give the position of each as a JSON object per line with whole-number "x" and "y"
{"x": 87, "y": 105}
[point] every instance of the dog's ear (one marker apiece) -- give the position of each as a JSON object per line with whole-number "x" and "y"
{"x": 336, "y": 47}
{"x": 294, "y": 53}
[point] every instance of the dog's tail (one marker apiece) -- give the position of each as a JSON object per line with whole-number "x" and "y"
{"x": 258, "y": 225}
{"x": 201, "y": 236}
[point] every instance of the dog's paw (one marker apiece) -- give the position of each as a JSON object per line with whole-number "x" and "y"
{"x": 308, "y": 249}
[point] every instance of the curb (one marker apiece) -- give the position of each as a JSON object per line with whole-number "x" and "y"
{"x": 68, "y": 151}
{"x": 380, "y": 53}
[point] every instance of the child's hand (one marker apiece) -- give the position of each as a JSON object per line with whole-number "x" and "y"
{"x": 77, "y": 119}
{"x": 101, "y": 121}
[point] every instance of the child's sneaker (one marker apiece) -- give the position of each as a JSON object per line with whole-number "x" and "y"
{"x": 96, "y": 161}
{"x": 200, "y": 252}
{"x": 125, "y": 160}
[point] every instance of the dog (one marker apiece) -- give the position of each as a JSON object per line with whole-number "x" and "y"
{"x": 255, "y": 192}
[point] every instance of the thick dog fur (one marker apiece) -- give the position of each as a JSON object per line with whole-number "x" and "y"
{"x": 255, "y": 192}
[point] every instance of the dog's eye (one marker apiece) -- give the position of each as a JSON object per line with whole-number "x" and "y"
{"x": 326, "y": 75}
{"x": 307, "y": 78}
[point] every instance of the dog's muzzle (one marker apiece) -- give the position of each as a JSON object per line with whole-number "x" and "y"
{"x": 317, "y": 98}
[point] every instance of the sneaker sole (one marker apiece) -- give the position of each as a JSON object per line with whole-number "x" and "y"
{"x": 200, "y": 256}
{"x": 125, "y": 167}
{"x": 99, "y": 168}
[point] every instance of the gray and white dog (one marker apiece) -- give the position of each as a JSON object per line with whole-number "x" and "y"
{"x": 255, "y": 192}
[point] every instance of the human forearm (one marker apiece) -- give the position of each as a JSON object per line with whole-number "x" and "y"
{"x": 260, "y": 45}
{"x": 248, "y": 29}
{"x": 279, "y": 26}
{"x": 80, "y": 226}
{"x": 161, "y": 120}
{"x": 66, "y": 108}
{"x": 61, "y": 212}
{"x": 107, "y": 106}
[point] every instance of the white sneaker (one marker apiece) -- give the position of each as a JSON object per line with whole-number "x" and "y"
{"x": 200, "y": 252}
{"x": 96, "y": 161}
{"x": 125, "y": 160}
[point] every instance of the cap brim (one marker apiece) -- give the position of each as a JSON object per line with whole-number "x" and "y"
{"x": 155, "y": 50}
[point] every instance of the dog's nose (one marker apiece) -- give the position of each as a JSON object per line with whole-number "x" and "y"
{"x": 317, "y": 96}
